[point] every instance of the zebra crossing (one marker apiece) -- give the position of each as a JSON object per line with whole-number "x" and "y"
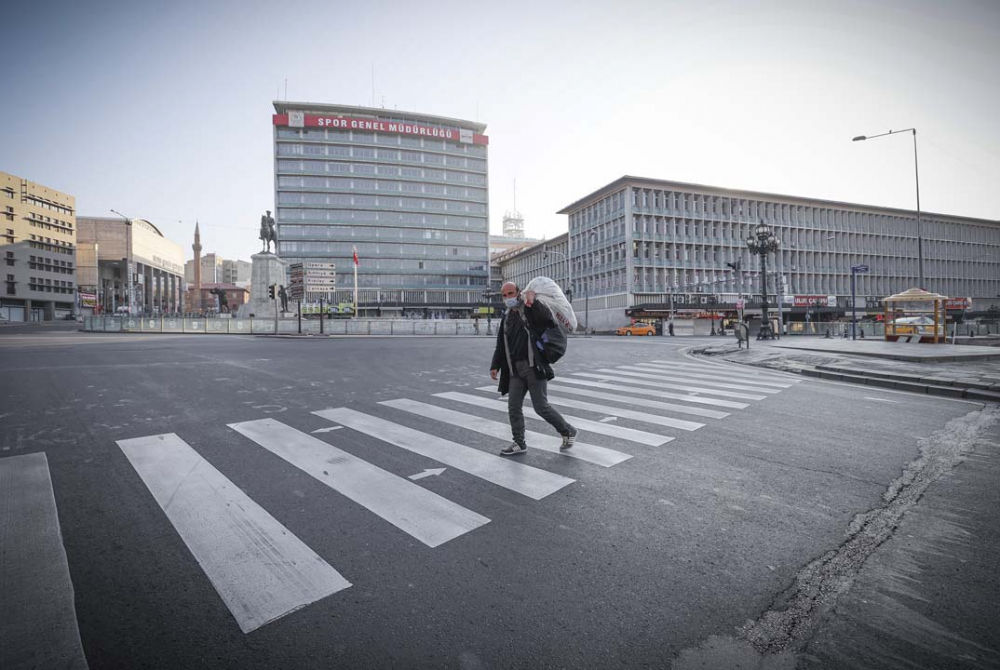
{"x": 262, "y": 571}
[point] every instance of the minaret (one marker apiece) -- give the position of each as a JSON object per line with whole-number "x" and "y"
{"x": 196, "y": 297}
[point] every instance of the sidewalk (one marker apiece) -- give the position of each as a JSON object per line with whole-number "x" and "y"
{"x": 956, "y": 371}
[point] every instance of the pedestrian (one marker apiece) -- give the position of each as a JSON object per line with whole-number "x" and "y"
{"x": 522, "y": 368}
{"x": 475, "y": 324}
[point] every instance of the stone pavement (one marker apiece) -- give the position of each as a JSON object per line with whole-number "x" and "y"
{"x": 935, "y": 369}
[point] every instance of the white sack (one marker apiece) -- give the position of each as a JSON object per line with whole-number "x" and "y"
{"x": 552, "y": 296}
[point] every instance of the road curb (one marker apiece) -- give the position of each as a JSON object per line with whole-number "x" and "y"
{"x": 900, "y": 382}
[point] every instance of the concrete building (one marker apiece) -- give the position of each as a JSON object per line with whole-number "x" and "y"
{"x": 549, "y": 258}
{"x": 408, "y": 190}
{"x": 38, "y": 245}
{"x": 641, "y": 246}
{"x": 215, "y": 269}
{"x": 107, "y": 245}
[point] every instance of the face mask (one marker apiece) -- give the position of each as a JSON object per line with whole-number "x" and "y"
{"x": 510, "y": 302}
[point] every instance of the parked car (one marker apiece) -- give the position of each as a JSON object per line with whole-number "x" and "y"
{"x": 637, "y": 329}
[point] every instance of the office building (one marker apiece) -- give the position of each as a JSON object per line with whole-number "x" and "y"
{"x": 643, "y": 247}
{"x": 108, "y": 245}
{"x": 38, "y": 245}
{"x": 409, "y": 191}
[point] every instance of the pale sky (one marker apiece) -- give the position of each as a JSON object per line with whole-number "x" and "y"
{"x": 163, "y": 110}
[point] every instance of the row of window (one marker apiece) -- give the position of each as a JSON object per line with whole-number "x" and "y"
{"x": 51, "y": 246}
{"x": 290, "y": 232}
{"x": 36, "y": 202}
{"x": 407, "y": 280}
{"x": 381, "y": 154}
{"x": 343, "y": 200}
{"x": 386, "y": 139}
{"x": 372, "y": 249}
{"x": 342, "y": 183}
{"x": 829, "y": 219}
{"x": 405, "y": 171}
{"x": 362, "y": 216}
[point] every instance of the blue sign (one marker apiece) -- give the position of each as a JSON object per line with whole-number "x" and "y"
{"x": 859, "y": 268}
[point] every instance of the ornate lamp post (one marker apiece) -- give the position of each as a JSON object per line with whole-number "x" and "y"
{"x": 762, "y": 242}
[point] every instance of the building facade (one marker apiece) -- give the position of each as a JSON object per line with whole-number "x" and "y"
{"x": 216, "y": 269}
{"x": 38, "y": 245}
{"x": 543, "y": 259}
{"x": 408, "y": 191}
{"x": 645, "y": 246}
{"x": 107, "y": 246}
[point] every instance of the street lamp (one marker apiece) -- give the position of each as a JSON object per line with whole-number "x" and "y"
{"x": 762, "y": 242}
{"x": 128, "y": 258}
{"x": 916, "y": 174}
{"x": 569, "y": 271}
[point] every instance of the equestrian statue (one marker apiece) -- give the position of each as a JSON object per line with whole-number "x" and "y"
{"x": 268, "y": 233}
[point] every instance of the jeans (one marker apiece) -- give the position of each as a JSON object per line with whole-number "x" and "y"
{"x": 522, "y": 381}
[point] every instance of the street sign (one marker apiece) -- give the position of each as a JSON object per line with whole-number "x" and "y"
{"x": 319, "y": 266}
{"x": 860, "y": 268}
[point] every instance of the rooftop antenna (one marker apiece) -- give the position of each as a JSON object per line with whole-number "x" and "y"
{"x": 286, "y": 89}
{"x": 373, "y": 83}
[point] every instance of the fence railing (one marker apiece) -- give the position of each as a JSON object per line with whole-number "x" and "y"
{"x": 267, "y": 326}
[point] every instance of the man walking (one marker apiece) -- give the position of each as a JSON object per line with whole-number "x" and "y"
{"x": 522, "y": 367}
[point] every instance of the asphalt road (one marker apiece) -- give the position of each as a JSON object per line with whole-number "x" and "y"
{"x": 683, "y": 553}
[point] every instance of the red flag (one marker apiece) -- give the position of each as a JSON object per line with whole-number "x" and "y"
{"x": 355, "y": 255}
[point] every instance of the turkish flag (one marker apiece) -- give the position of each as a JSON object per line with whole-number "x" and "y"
{"x": 355, "y": 255}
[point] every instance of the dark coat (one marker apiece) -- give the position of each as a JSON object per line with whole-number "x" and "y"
{"x": 539, "y": 318}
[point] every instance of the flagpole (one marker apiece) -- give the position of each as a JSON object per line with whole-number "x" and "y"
{"x": 355, "y": 282}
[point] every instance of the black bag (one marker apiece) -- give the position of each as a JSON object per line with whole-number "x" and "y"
{"x": 552, "y": 344}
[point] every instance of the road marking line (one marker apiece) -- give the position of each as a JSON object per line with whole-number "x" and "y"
{"x": 723, "y": 374}
{"x": 258, "y": 567}
{"x": 733, "y": 369}
{"x": 524, "y": 479}
{"x": 416, "y": 511}
{"x": 684, "y": 387}
{"x": 642, "y": 402}
{"x": 626, "y": 377}
{"x": 38, "y": 627}
{"x": 720, "y": 381}
{"x": 619, "y": 432}
{"x": 884, "y": 400}
{"x": 656, "y": 394}
{"x": 623, "y": 413}
{"x": 585, "y": 452}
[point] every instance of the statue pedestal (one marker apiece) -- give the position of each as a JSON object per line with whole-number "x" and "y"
{"x": 267, "y": 269}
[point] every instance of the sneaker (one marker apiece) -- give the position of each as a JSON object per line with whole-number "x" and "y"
{"x": 569, "y": 440}
{"x": 514, "y": 448}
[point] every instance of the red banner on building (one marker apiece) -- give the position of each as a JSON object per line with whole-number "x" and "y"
{"x": 958, "y": 303}
{"x": 299, "y": 120}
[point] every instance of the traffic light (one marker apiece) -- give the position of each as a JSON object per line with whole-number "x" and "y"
{"x": 270, "y": 291}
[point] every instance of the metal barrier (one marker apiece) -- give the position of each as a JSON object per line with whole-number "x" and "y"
{"x": 266, "y": 326}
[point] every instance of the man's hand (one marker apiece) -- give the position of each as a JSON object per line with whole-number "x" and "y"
{"x": 529, "y": 298}
{"x": 494, "y": 373}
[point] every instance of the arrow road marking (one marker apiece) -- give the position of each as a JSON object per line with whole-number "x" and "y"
{"x": 884, "y": 400}
{"x": 327, "y": 430}
{"x": 428, "y": 472}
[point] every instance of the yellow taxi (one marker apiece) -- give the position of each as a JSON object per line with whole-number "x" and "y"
{"x": 637, "y": 329}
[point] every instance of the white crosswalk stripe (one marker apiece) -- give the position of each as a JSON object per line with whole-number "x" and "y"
{"x": 730, "y": 370}
{"x": 581, "y": 450}
{"x": 258, "y": 567}
{"x": 38, "y": 627}
{"x": 617, "y": 411}
{"x": 681, "y": 378}
{"x": 517, "y": 477}
{"x": 632, "y": 389}
{"x": 642, "y": 402}
{"x": 655, "y": 381}
{"x": 686, "y": 387}
{"x": 619, "y": 432}
{"x": 720, "y": 380}
{"x": 720, "y": 375}
{"x": 413, "y": 509}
